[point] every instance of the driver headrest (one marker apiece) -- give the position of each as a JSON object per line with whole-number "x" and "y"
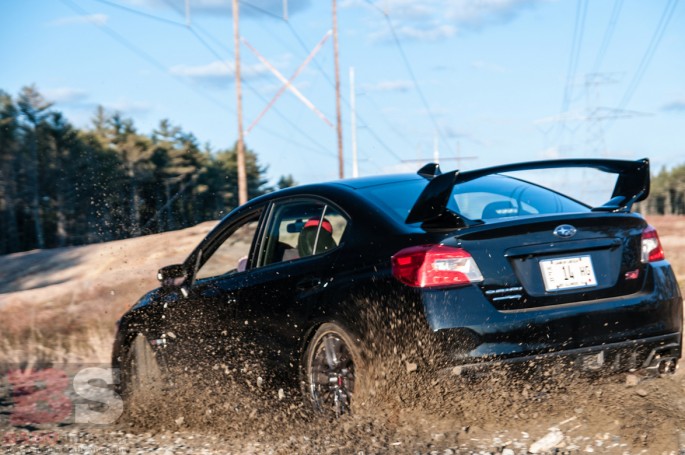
{"x": 325, "y": 224}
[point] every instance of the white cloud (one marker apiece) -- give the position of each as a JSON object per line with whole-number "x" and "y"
{"x": 388, "y": 86}
{"x": 260, "y": 9}
{"x": 211, "y": 70}
{"x": 432, "y": 20}
{"x": 218, "y": 72}
{"x": 354, "y": 4}
{"x": 65, "y": 95}
{"x": 94, "y": 19}
{"x": 434, "y": 32}
{"x": 674, "y": 106}
{"x": 484, "y": 12}
{"x": 462, "y": 13}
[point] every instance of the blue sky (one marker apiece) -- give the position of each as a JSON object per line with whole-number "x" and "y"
{"x": 494, "y": 80}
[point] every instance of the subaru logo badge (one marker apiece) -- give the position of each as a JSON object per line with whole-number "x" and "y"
{"x": 565, "y": 231}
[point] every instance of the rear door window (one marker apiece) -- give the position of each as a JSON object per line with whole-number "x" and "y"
{"x": 301, "y": 228}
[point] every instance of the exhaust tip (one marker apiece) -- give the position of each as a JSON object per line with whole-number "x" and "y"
{"x": 663, "y": 365}
{"x": 666, "y": 365}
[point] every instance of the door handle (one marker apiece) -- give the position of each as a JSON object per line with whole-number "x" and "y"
{"x": 308, "y": 283}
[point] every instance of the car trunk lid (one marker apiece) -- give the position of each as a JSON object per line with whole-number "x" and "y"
{"x": 527, "y": 265}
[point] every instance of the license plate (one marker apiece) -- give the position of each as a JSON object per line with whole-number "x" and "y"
{"x": 568, "y": 273}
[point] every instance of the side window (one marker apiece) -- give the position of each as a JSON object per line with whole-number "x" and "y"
{"x": 231, "y": 256}
{"x": 300, "y": 229}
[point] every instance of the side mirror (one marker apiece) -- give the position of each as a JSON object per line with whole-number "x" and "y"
{"x": 172, "y": 275}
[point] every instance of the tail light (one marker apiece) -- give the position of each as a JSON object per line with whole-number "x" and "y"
{"x": 435, "y": 266}
{"x": 651, "y": 246}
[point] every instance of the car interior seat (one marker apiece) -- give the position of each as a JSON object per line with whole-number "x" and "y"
{"x": 313, "y": 240}
{"x": 499, "y": 209}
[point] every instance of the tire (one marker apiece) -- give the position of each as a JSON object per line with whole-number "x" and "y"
{"x": 332, "y": 368}
{"x": 142, "y": 375}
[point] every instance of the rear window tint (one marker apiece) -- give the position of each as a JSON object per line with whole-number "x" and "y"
{"x": 497, "y": 196}
{"x": 489, "y": 197}
{"x": 396, "y": 198}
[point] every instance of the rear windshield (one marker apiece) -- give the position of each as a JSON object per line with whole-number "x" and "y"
{"x": 487, "y": 198}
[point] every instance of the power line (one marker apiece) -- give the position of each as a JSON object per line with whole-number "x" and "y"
{"x": 247, "y": 83}
{"x": 220, "y": 58}
{"x": 305, "y": 49}
{"x": 574, "y": 54}
{"x": 646, "y": 58}
{"x": 408, "y": 66}
{"x": 154, "y": 62}
{"x": 261, "y": 10}
{"x": 394, "y": 128}
{"x": 194, "y": 30}
{"x": 144, "y": 55}
{"x": 608, "y": 34}
{"x": 293, "y": 125}
{"x": 378, "y": 139}
{"x": 299, "y": 39}
{"x": 649, "y": 53}
{"x": 241, "y": 2}
{"x": 578, "y": 32}
{"x": 175, "y": 7}
{"x": 140, "y": 13}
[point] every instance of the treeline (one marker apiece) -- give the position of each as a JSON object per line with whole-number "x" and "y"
{"x": 667, "y": 193}
{"x": 61, "y": 186}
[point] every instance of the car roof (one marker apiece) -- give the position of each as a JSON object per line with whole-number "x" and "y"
{"x": 376, "y": 180}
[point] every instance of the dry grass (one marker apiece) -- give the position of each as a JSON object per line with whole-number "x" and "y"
{"x": 37, "y": 350}
{"x": 60, "y": 306}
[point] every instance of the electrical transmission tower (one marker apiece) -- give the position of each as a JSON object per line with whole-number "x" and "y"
{"x": 596, "y": 116}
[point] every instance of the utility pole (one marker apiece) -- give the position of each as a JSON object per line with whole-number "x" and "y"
{"x": 436, "y": 149}
{"x": 338, "y": 115}
{"x": 288, "y": 83}
{"x": 353, "y": 125}
{"x": 240, "y": 146}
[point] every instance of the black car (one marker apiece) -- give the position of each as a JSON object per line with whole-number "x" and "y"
{"x": 503, "y": 270}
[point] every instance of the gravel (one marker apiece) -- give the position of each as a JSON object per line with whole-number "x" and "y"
{"x": 617, "y": 421}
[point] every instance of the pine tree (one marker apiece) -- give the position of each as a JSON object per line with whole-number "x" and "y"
{"x": 33, "y": 108}
{"x": 9, "y": 149}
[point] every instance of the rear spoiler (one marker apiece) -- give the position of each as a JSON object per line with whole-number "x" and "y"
{"x": 431, "y": 209}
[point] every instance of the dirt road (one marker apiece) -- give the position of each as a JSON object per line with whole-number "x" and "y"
{"x": 628, "y": 413}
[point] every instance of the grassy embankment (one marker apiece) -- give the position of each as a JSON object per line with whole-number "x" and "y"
{"x": 61, "y": 305}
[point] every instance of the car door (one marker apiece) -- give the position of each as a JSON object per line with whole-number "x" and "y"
{"x": 295, "y": 262}
{"x": 202, "y": 326}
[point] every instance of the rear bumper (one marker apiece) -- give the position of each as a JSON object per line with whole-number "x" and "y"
{"x": 630, "y": 331}
{"x": 660, "y": 354}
